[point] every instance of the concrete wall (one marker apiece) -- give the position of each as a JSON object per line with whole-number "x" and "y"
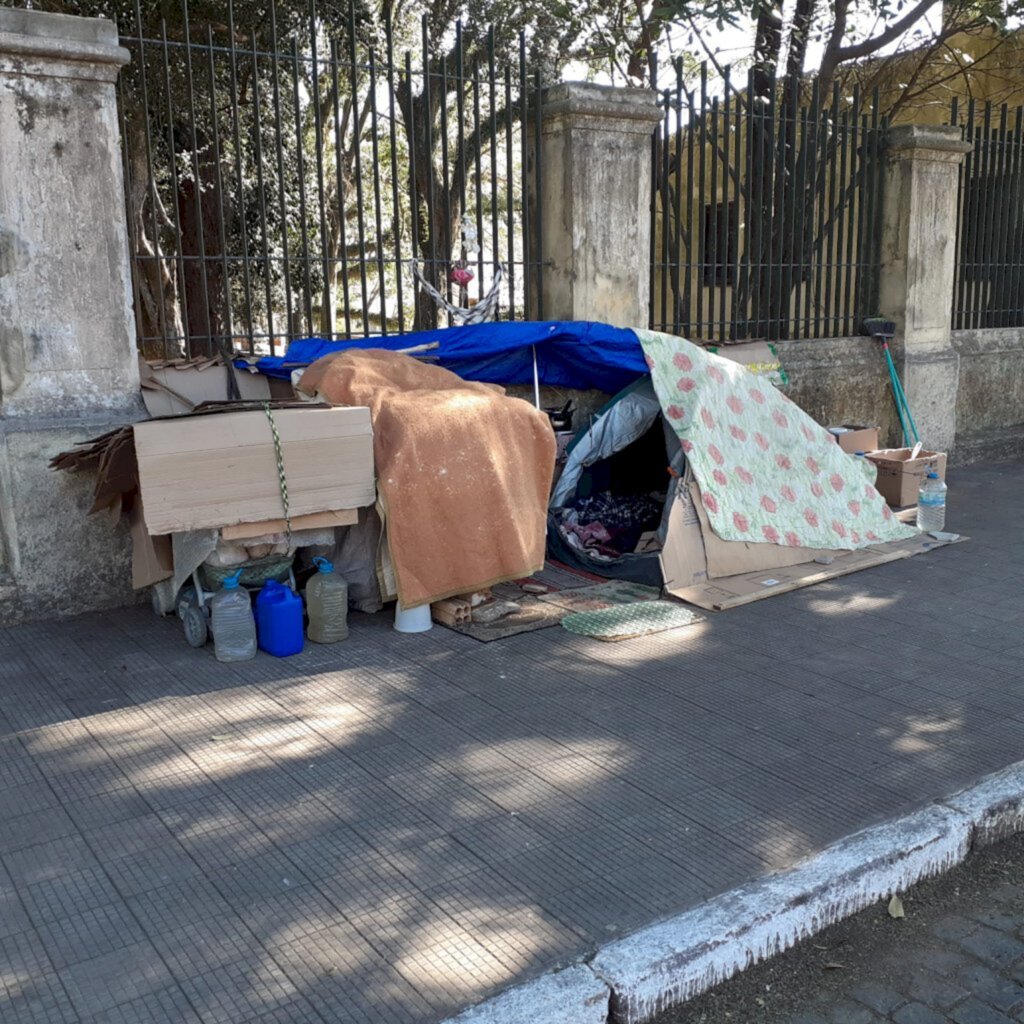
{"x": 990, "y": 402}
{"x": 68, "y": 365}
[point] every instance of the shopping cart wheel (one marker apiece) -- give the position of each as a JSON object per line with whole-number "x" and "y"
{"x": 193, "y": 620}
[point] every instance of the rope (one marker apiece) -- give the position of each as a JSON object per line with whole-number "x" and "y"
{"x": 483, "y": 312}
{"x": 281, "y": 479}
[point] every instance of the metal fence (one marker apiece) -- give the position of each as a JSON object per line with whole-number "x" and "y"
{"x": 766, "y": 211}
{"x": 989, "y": 290}
{"x": 282, "y": 172}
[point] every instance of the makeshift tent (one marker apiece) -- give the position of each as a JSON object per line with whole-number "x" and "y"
{"x": 745, "y": 476}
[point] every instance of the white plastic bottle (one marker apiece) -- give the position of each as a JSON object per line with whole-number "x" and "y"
{"x": 931, "y": 504}
{"x": 327, "y": 605}
{"x": 234, "y": 628}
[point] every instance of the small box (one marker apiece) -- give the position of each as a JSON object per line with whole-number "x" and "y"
{"x": 900, "y": 477}
{"x": 853, "y": 438}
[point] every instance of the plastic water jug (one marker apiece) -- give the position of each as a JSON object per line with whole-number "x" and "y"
{"x": 279, "y": 619}
{"x": 234, "y": 629}
{"x": 931, "y": 504}
{"x": 327, "y": 601}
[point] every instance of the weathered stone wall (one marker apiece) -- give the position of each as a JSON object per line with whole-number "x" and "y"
{"x": 68, "y": 364}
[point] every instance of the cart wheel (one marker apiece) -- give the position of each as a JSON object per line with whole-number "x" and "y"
{"x": 194, "y": 622}
{"x": 186, "y": 597}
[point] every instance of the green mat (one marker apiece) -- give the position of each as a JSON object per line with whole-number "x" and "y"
{"x": 629, "y": 620}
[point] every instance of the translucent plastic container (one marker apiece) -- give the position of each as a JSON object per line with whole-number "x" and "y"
{"x": 234, "y": 628}
{"x": 279, "y": 620}
{"x": 327, "y": 604}
{"x": 931, "y": 504}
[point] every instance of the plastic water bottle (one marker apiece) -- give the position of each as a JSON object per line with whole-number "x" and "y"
{"x": 931, "y": 504}
{"x": 327, "y": 604}
{"x": 279, "y": 620}
{"x": 234, "y": 628}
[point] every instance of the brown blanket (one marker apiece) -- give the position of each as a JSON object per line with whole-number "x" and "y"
{"x": 463, "y": 471}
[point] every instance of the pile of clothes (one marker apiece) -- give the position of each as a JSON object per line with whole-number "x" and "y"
{"x": 606, "y": 526}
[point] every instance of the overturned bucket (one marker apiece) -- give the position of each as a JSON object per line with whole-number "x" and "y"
{"x": 412, "y": 620}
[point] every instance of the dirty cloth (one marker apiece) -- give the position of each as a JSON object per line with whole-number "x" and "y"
{"x": 766, "y": 471}
{"x": 463, "y": 472}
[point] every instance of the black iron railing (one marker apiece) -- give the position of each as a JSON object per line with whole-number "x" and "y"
{"x": 766, "y": 212}
{"x": 281, "y": 173}
{"x": 989, "y": 289}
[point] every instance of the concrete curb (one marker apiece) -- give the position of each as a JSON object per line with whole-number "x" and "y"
{"x": 632, "y": 979}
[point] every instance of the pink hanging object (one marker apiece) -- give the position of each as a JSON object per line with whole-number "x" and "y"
{"x": 461, "y": 276}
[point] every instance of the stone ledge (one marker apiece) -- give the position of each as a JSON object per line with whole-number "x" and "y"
{"x": 61, "y": 38}
{"x": 604, "y": 102}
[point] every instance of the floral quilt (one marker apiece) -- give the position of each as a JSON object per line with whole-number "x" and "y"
{"x": 766, "y": 471}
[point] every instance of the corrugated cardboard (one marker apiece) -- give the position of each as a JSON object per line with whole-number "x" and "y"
{"x": 220, "y": 469}
{"x": 857, "y": 438}
{"x": 694, "y": 554}
{"x": 314, "y": 521}
{"x": 900, "y": 478}
{"x": 152, "y": 558}
{"x": 733, "y": 591}
{"x": 730, "y": 557}
{"x": 176, "y": 387}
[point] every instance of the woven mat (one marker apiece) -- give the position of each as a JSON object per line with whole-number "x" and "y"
{"x": 624, "y": 621}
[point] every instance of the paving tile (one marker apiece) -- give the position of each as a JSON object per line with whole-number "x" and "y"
{"x": 162, "y": 1007}
{"x": 240, "y": 992}
{"x": 72, "y": 893}
{"x": 39, "y": 999}
{"x": 34, "y": 828}
{"x": 50, "y": 860}
{"x": 100, "y": 984}
{"x": 90, "y": 934}
{"x": 151, "y": 869}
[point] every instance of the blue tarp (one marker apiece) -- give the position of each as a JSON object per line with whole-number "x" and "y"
{"x": 570, "y": 354}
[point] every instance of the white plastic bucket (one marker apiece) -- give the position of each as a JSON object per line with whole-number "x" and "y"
{"x": 412, "y": 620}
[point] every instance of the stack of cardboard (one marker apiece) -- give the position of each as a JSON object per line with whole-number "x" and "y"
{"x": 219, "y": 470}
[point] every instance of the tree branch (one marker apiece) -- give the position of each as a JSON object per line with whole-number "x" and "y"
{"x": 872, "y": 45}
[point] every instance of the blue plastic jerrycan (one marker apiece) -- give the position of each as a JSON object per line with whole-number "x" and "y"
{"x": 279, "y": 619}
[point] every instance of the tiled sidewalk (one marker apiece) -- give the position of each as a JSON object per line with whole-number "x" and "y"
{"x": 389, "y": 829}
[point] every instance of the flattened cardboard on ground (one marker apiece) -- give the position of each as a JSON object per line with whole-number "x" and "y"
{"x": 220, "y": 469}
{"x": 900, "y": 477}
{"x": 176, "y": 387}
{"x": 732, "y": 591}
{"x": 314, "y": 521}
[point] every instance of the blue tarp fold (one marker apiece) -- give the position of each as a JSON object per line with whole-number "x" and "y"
{"x": 570, "y": 354}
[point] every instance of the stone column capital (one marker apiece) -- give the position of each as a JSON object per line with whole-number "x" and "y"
{"x": 942, "y": 143}
{"x": 41, "y": 44}
{"x": 600, "y": 107}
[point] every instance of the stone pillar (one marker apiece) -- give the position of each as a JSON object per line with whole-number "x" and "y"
{"x": 68, "y": 364}
{"x": 595, "y": 203}
{"x": 918, "y": 250}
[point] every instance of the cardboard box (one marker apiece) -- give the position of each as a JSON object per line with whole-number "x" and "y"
{"x": 152, "y": 557}
{"x": 856, "y": 438}
{"x": 220, "y": 469}
{"x": 900, "y": 478}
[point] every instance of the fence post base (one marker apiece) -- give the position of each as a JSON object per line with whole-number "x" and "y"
{"x": 68, "y": 363}
{"x": 918, "y": 265}
{"x": 594, "y": 206}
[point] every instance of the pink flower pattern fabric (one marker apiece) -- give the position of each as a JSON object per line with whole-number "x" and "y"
{"x": 767, "y": 472}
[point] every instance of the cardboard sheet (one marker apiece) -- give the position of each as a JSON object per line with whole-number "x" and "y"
{"x": 314, "y": 521}
{"x": 732, "y": 591}
{"x": 220, "y": 469}
{"x": 731, "y": 557}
